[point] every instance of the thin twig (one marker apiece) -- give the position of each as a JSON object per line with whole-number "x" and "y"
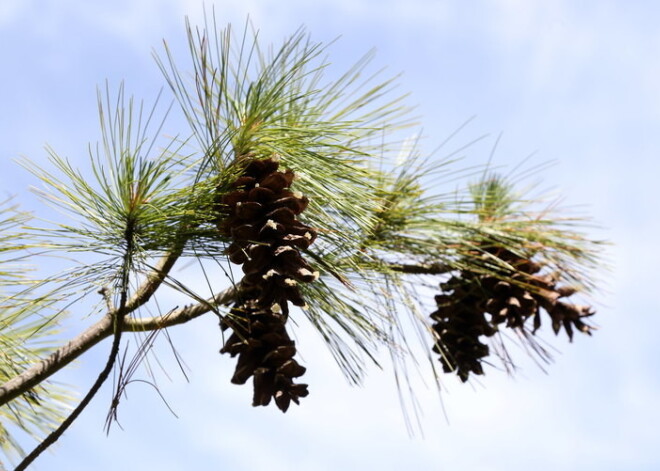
{"x": 96, "y": 333}
{"x": 103, "y": 328}
{"x": 117, "y": 327}
{"x": 90, "y": 337}
{"x": 417, "y": 269}
{"x": 154, "y": 279}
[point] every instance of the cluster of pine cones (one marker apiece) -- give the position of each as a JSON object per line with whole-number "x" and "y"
{"x": 475, "y": 305}
{"x": 260, "y": 215}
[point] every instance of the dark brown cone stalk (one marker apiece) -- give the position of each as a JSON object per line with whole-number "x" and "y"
{"x": 260, "y": 217}
{"x": 475, "y": 305}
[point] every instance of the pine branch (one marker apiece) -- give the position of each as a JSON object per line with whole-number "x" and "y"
{"x": 100, "y": 331}
{"x": 421, "y": 269}
{"x": 117, "y": 329}
{"x": 57, "y": 360}
{"x": 93, "y": 335}
{"x": 103, "y": 328}
{"x": 332, "y": 135}
{"x": 181, "y": 315}
{"x": 154, "y": 279}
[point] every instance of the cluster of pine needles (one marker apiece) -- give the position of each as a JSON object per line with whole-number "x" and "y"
{"x": 308, "y": 181}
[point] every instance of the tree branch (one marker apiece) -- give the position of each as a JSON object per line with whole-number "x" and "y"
{"x": 99, "y": 331}
{"x": 154, "y": 279}
{"x": 416, "y": 269}
{"x": 90, "y": 337}
{"x": 117, "y": 328}
{"x": 181, "y": 315}
{"x": 62, "y": 357}
{"x": 103, "y": 328}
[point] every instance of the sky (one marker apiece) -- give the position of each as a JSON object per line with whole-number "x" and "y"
{"x": 575, "y": 83}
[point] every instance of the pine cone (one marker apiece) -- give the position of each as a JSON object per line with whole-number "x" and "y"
{"x": 265, "y": 351}
{"x": 260, "y": 216}
{"x": 459, "y": 323}
{"x": 476, "y": 305}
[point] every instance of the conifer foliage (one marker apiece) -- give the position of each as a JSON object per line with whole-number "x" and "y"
{"x": 296, "y": 187}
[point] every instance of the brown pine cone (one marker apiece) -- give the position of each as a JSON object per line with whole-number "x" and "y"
{"x": 459, "y": 324}
{"x": 475, "y": 305}
{"x": 260, "y": 216}
{"x": 265, "y": 351}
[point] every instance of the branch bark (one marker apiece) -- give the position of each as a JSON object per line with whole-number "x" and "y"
{"x": 104, "y": 327}
{"x": 416, "y": 269}
{"x": 154, "y": 279}
{"x": 99, "y": 331}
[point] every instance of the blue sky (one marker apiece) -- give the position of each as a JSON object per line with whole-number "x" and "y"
{"x": 575, "y": 82}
